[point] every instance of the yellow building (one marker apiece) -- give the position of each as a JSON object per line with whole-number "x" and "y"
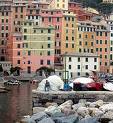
{"x": 86, "y": 37}
{"x": 59, "y": 4}
{"x": 69, "y": 32}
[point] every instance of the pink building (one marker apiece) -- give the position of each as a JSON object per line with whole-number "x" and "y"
{"x": 54, "y": 18}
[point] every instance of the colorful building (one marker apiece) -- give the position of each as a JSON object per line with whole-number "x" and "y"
{"x": 59, "y": 4}
{"x": 54, "y": 18}
{"x": 69, "y": 32}
{"x": 86, "y": 37}
{"x": 5, "y": 27}
{"x": 80, "y": 64}
{"x": 38, "y": 46}
{"x": 103, "y": 45}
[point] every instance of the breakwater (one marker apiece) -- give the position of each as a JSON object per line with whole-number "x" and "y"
{"x": 40, "y": 98}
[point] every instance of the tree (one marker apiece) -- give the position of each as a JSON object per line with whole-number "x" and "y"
{"x": 1, "y": 68}
{"x": 47, "y": 71}
{"x": 15, "y": 69}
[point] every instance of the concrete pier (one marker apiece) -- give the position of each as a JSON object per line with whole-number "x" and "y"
{"x": 40, "y": 97}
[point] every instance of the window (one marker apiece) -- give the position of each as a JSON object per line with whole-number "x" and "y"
{"x": 18, "y": 45}
{"x": 78, "y": 59}
{"x": 72, "y": 38}
{"x": 18, "y": 61}
{"x": 100, "y": 49}
{"x": 49, "y": 46}
{"x": 78, "y": 73}
{"x": 48, "y": 53}
{"x": 41, "y": 62}
{"x": 48, "y": 62}
{"x": 100, "y": 33}
{"x": 28, "y": 62}
{"x": 79, "y": 35}
{"x": 86, "y": 59}
{"x": 49, "y": 31}
{"x": 95, "y": 59}
{"x": 49, "y": 38}
{"x": 66, "y": 45}
{"x": 105, "y": 63}
{"x": 86, "y": 66}
{"x": 41, "y": 31}
{"x": 50, "y": 19}
{"x": 78, "y": 66}
{"x": 57, "y": 35}
{"x": 18, "y": 53}
{"x": 29, "y": 53}
{"x": 69, "y": 59}
{"x": 66, "y": 37}
{"x": 73, "y": 45}
{"x": 105, "y": 41}
{"x": 28, "y": 69}
{"x": 25, "y": 30}
{"x": 95, "y": 67}
{"x": 96, "y": 41}
{"x": 6, "y": 27}
{"x": 105, "y": 49}
{"x": 25, "y": 37}
{"x": 58, "y": 19}
{"x": 100, "y": 41}
{"x": 69, "y": 66}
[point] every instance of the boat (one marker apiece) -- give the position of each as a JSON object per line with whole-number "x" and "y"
{"x": 10, "y": 82}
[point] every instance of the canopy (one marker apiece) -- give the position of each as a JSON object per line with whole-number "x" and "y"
{"x": 55, "y": 83}
{"x": 83, "y": 80}
{"x": 108, "y": 86}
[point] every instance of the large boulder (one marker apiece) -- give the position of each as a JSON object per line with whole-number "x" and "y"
{"x": 66, "y": 119}
{"x": 95, "y": 112}
{"x": 83, "y": 111}
{"x": 55, "y": 83}
{"x": 89, "y": 120}
{"x": 66, "y": 107}
{"x": 97, "y": 104}
{"x": 107, "y": 107}
{"x": 108, "y": 115}
{"x": 51, "y": 110}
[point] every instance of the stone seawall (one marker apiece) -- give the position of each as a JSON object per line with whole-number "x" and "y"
{"x": 41, "y": 98}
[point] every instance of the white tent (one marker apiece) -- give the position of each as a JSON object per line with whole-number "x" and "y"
{"x": 55, "y": 83}
{"x": 83, "y": 80}
{"x": 108, "y": 86}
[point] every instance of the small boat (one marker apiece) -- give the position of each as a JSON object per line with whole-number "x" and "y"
{"x": 10, "y": 82}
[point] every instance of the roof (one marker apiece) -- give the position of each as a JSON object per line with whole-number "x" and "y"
{"x": 81, "y": 55}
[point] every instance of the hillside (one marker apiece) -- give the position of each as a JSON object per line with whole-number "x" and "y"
{"x": 103, "y": 8}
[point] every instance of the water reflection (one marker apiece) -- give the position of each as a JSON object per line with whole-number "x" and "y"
{"x": 16, "y": 103}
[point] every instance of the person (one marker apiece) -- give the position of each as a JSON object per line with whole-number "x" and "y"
{"x": 47, "y": 86}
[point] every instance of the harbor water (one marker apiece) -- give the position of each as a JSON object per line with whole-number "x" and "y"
{"x": 15, "y": 103}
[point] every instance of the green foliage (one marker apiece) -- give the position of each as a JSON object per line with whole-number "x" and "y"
{"x": 14, "y": 69}
{"x": 47, "y": 70}
{"x": 1, "y": 69}
{"x": 103, "y": 8}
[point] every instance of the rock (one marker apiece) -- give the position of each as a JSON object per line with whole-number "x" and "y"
{"x": 38, "y": 109}
{"x": 83, "y": 111}
{"x": 89, "y": 120}
{"x": 76, "y": 106}
{"x": 38, "y": 117}
{"x": 66, "y": 119}
{"x": 107, "y": 107}
{"x": 52, "y": 109}
{"x": 96, "y": 104}
{"x": 67, "y": 104}
{"x": 95, "y": 112}
{"x": 108, "y": 115}
{"x": 67, "y": 111}
{"x": 46, "y": 120}
{"x": 50, "y": 104}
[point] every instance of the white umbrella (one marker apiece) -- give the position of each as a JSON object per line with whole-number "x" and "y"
{"x": 108, "y": 86}
{"x": 83, "y": 80}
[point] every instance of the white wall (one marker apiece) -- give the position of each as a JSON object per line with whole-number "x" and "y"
{"x": 74, "y": 66}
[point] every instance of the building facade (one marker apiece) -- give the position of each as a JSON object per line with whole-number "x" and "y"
{"x": 80, "y": 64}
